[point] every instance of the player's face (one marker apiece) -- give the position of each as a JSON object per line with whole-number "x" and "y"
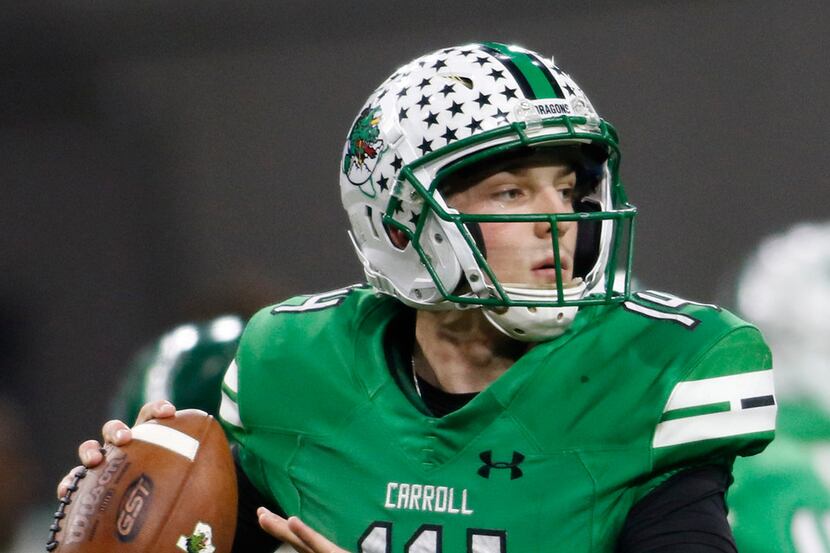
{"x": 522, "y": 253}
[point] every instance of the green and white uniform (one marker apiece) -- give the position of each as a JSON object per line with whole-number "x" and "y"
{"x": 550, "y": 457}
{"x": 780, "y": 502}
{"x": 185, "y": 365}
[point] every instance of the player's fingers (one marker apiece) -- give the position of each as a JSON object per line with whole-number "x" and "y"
{"x": 159, "y": 409}
{"x": 116, "y": 432}
{"x": 90, "y": 454}
{"x": 278, "y": 527}
{"x": 311, "y": 537}
{"x": 63, "y": 485}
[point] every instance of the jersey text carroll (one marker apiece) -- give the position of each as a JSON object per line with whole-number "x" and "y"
{"x": 426, "y": 497}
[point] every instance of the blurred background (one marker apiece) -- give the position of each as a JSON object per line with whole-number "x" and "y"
{"x": 161, "y": 161}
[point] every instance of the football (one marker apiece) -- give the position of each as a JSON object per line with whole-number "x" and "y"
{"x": 171, "y": 489}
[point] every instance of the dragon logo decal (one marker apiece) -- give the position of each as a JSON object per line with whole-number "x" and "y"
{"x": 363, "y": 147}
{"x": 200, "y": 541}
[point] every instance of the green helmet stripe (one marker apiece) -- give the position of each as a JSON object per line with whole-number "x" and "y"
{"x": 535, "y": 80}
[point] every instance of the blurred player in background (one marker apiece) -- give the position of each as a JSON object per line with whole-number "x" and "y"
{"x": 780, "y": 502}
{"x": 487, "y": 389}
{"x": 185, "y": 365}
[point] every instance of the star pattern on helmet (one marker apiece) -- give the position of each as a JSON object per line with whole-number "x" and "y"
{"x": 508, "y": 92}
{"x": 475, "y": 124}
{"x": 449, "y": 134}
{"x": 448, "y": 89}
{"x": 426, "y": 146}
{"x": 414, "y": 218}
{"x": 444, "y": 97}
{"x": 497, "y": 74}
{"x": 383, "y": 183}
{"x": 455, "y": 108}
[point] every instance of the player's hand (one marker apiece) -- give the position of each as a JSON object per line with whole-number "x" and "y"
{"x": 295, "y": 532}
{"x": 115, "y": 432}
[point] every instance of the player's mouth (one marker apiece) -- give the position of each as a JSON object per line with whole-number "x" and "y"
{"x": 545, "y": 270}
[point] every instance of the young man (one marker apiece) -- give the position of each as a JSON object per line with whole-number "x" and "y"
{"x": 488, "y": 390}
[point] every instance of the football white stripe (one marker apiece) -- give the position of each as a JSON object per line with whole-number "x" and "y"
{"x": 731, "y": 388}
{"x": 168, "y": 438}
{"x": 714, "y": 425}
{"x": 229, "y": 411}
{"x": 232, "y": 377}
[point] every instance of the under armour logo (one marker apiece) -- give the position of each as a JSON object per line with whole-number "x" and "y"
{"x": 487, "y": 458}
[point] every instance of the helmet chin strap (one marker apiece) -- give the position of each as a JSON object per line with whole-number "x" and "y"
{"x": 536, "y": 324}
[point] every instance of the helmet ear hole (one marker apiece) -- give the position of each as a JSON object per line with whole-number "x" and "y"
{"x": 398, "y": 238}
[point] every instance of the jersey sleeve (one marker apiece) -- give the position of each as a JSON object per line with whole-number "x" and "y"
{"x": 722, "y": 407}
{"x": 244, "y": 431}
{"x": 289, "y": 357}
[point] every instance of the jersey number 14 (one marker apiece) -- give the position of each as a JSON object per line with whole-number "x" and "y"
{"x": 428, "y": 539}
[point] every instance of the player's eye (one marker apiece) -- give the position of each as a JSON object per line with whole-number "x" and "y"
{"x": 566, "y": 191}
{"x": 507, "y": 194}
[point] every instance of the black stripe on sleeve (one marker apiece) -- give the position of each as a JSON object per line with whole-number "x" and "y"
{"x": 760, "y": 401}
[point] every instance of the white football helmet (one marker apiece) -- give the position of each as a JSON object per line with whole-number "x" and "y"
{"x": 453, "y": 109}
{"x": 784, "y": 288}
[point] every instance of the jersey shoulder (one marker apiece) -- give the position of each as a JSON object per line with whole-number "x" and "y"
{"x": 717, "y": 396}
{"x": 294, "y": 353}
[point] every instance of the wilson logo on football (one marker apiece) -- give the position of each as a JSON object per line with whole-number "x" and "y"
{"x": 84, "y": 515}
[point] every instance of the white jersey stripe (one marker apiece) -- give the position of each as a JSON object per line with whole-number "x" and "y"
{"x": 685, "y": 320}
{"x": 232, "y": 377}
{"x": 168, "y": 438}
{"x": 731, "y": 388}
{"x": 229, "y": 411}
{"x": 714, "y": 425}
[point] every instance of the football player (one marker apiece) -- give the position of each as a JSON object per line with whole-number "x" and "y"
{"x": 780, "y": 502}
{"x": 487, "y": 389}
{"x": 185, "y": 366}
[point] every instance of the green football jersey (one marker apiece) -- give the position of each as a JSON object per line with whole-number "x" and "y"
{"x": 550, "y": 457}
{"x": 780, "y": 502}
{"x": 185, "y": 365}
